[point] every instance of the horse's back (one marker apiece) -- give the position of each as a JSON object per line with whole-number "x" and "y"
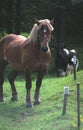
{"x": 10, "y": 37}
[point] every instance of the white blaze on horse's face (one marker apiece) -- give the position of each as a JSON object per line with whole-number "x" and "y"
{"x": 44, "y": 38}
{"x": 45, "y": 31}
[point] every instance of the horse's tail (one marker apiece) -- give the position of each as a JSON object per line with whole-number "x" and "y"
{"x": 1, "y": 50}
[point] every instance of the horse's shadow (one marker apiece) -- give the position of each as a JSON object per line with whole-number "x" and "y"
{"x": 15, "y": 111}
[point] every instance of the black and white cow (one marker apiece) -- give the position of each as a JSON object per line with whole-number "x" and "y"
{"x": 64, "y": 61}
{"x": 73, "y": 59}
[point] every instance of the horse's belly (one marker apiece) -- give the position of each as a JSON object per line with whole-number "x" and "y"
{"x": 13, "y": 56}
{"x": 36, "y": 66}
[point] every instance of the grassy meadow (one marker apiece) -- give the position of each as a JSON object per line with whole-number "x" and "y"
{"x": 47, "y": 115}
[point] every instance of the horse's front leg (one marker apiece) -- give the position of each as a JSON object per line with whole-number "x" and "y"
{"x": 28, "y": 88}
{"x": 37, "y": 90}
{"x": 11, "y": 78}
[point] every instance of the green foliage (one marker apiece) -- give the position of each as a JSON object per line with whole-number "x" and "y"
{"x": 2, "y": 34}
{"x": 47, "y": 115}
{"x": 25, "y": 34}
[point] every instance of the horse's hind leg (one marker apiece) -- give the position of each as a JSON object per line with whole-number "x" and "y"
{"x": 2, "y": 67}
{"x": 1, "y": 86}
{"x": 11, "y": 78}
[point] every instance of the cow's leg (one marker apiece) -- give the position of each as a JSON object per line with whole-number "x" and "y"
{"x": 37, "y": 90}
{"x": 57, "y": 72}
{"x": 11, "y": 78}
{"x": 28, "y": 88}
{"x": 57, "y": 69}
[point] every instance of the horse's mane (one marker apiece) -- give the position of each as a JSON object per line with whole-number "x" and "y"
{"x": 33, "y": 34}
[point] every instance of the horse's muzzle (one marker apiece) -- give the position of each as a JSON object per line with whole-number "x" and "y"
{"x": 44, "y": 49}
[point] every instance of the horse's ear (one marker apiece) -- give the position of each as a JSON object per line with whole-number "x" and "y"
{"x": 52, "y": 21}
{"x": 64, "y": 46}
{"x": 37, "y": 21}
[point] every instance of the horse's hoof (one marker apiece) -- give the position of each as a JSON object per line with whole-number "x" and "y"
{"x": 37, "y": 102}
{"x": 29, "y": 105}
{"x": 14, "y": 99}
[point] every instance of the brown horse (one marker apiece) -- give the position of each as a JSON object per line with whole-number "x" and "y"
{"x": 26, "y": 55}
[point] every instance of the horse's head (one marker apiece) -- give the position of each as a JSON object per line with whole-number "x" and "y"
{"x": 44, "y": 33}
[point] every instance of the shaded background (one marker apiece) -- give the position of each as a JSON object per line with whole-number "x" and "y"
{"x": 17, "y": 16}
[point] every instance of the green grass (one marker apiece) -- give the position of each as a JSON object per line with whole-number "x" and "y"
{"x": 47, "y": 115}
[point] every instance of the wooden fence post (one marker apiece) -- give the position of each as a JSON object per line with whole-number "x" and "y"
{"x": 74, "y": 59}
{"x": 74, "y": 72}
{"x": 78, "y": 104}
{"x": 66, "y": 93}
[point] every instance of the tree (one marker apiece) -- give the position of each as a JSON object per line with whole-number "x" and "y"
{"x": 10, "y": 16}
{"x": 0, "y": 16}
{"x": 63, "y": 9}
{"x": 18, "y": 17}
